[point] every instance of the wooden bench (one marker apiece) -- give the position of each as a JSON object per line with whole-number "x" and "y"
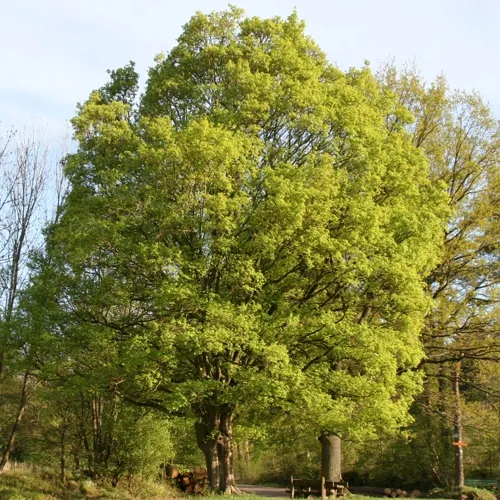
{"x": 316, "y": 487}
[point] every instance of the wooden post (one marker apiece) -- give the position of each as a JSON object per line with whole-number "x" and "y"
{"x": 323, "y": 488}
{"x": 292, "y": 489}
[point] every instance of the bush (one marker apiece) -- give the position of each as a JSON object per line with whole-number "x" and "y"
{"x": 466, "y": 493}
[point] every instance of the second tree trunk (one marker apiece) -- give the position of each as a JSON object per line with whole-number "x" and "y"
{"x": 331, "y": 457}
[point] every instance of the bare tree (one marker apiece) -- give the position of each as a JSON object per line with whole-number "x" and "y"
{"x": 24, "y": 176}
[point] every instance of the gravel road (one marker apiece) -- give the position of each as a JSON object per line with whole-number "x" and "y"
{"x": 264, "y": 491}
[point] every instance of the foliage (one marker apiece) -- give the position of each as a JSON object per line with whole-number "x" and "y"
{"x": 461, "y": 139}
{"x": 268, "y": 455}
{"x": 255, "y": 242}
{"x": 142, "y": 442}
{"x": 87, "y": 435}
{"x": 250, "y": 234}
{"x": 185, "y": 454}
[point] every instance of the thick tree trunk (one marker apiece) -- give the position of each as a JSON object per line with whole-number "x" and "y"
{"x": 457, "y": 430}
{"x": 214, "y": 434}
{"x": 211, "y": 453}
{"x": 17, "y": 422}
{"x": 225, "y": 447}
{"x": 331, "y": 457}
{"x": 207, "y": 433}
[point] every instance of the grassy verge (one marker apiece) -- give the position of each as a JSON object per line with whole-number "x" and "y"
{"x": 466, "y": 493}
{"x": 23, "y": 485}
{"x": 28, "y": 486}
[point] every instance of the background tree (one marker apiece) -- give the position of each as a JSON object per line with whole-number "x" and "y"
{"x": 25, "y": 170}
{"x": 462, "y": 142}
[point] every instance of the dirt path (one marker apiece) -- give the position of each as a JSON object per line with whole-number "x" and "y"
{"x": 264, "y": 491}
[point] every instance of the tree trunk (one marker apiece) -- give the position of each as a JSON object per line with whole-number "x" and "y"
{"x": 63, "y": 456}
{"x": 225, "y": 448}
{"x": 207, "y": 430}
{"x": 97, "y": 437}
{"x": 17, "y": 422}
{"x": 62, "y": 444}
{"x": 331, "y": 457}
{"x": 85, "y": 441}
{"x": 214, "y": 434}
{"x": 457, "y": 428}
{"x": 213, "y": 465}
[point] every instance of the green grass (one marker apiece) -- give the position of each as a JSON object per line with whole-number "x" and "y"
{"x": 24, "y": 485}
{"x": 14, "y": 487}
{"x": 467, "y": 491}
{"x": 251, "y": 496}
{"x": 28, "y": 486}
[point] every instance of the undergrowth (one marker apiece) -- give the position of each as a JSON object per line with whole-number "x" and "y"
{"x": 30, "y": 486}
{"x": 466, "y": 493}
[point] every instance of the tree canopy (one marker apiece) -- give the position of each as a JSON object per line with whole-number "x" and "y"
{"x": 253, "y": 233}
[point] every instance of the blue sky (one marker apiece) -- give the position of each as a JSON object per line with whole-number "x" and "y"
{"x": 54, "y": 52}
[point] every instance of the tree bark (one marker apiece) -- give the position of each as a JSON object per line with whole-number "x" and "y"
{"x": 63, "y": 455}
{"x": 457, "y": 430}
{"x": 207, "y": 430}
{"x": 62, "y": 445}
{"x": 331, "y": 456}
{"x": 226, "y": 457}
{"x": 214, "y": 434}
{"x": 83, "y": 430}
{"x": 17, "y": 422}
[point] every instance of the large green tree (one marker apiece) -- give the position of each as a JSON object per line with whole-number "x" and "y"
{"x": 248, "y": 234}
